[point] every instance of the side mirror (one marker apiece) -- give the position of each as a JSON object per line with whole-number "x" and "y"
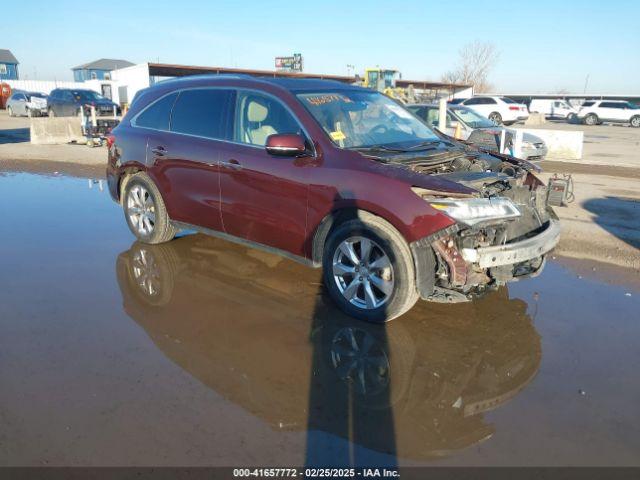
{"x": 286, "y": 145}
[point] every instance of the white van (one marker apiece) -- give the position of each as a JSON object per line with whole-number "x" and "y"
{"x": 552, "y": 108}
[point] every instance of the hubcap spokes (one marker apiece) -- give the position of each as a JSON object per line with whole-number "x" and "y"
{"x": 363, "y": 273}
{"x": 141, "y": 210}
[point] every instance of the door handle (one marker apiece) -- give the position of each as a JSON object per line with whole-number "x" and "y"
{"x": 233, "y": 164}
{"x": 159, "y": 151}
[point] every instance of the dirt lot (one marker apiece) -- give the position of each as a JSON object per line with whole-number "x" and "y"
{"x": 602, "y": 224}
{"x": 17, "y": 154}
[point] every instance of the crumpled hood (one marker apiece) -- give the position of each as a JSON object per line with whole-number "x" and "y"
{"x": 416, "y": 179}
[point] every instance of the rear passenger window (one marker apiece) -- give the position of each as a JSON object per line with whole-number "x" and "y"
{"x": 588, "y": 104}
{"x": 202, "y": 112}
{"x": 157, "y": 115}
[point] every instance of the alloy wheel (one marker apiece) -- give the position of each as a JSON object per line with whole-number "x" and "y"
{"x": 141, "y": 210}
{"x": 363, "y": 272}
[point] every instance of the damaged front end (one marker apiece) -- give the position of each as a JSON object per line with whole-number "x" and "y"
{"x": 502, "y": 232}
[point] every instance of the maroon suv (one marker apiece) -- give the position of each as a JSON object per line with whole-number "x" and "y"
{"x": 330, "y": 175}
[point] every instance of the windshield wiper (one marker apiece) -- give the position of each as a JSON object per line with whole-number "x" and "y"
{"x": 379, "y": 147}
{"x": 420, "y": 146}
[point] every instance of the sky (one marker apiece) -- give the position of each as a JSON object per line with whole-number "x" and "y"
{"x": 544, "y": 46}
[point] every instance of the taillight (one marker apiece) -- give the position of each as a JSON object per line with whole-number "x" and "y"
{"x": 111, "y": 138}
{"x": 514, "y": 108}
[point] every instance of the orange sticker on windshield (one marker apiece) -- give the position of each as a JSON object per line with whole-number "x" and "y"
{"x": 318, "y": 100}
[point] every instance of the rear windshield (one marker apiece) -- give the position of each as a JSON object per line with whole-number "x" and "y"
{"x": 35, "y": 95}
{"x": 507, "y": 100}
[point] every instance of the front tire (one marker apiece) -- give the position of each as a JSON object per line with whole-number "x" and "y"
{"x": 496, "y": 118}
{"x": 635, "y": 121}
{"x": 591, "y": 119}
{"x": 10, "y": 111}
{"x": 368, "y": 270}
{"x": 51, "y": 113}
{"x": 145, "y": 211}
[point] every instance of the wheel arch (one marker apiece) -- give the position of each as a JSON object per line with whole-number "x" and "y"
{"x": 125, "y": 175}
{"x": 336, "y": 218}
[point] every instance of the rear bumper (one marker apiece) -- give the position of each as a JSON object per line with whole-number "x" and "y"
{"x": 512, "y": 253}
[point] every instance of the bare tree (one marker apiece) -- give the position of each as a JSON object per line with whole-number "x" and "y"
{"x": 474, "y": 65}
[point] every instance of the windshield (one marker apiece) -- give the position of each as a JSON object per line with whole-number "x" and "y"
{"x": 471, "y": 118}
{"x": 360, "y": 119}
{"x": 86, "y": 95}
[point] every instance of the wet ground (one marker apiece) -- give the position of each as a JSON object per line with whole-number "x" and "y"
{"x": 201, "y": 352}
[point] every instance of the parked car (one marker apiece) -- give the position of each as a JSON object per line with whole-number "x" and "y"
{"x": 65, "y": 102}
{"x": 552, "y": 108}
{"x": 330, "y": 175}
{"x": 480, "y": 131}
{"x": 27, "y": 103}
{"x": 498, "y": 109}
{"x": 595, "y": 112}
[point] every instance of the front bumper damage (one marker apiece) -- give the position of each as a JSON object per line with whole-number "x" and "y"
{"x": 513, "y": 253}
{"x": 467, "y": 265}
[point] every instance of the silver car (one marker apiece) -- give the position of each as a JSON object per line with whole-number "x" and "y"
{"x": 27, "y": 103}
{"x": 480, "y": 130}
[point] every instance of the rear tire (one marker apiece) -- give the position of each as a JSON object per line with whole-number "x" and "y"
{"x": 145, "y": 211}
{"x": 496, "y": 118}
{"x": 635, "y": 121}
{"x": 51, "y": 113}
{"x": 591, "y": 119}
{"x": 378, "y": 283}
{"x": 10, "y": 111}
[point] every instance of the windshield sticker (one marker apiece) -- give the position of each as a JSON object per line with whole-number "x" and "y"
{"x": 399, "y": 111}
{"x": 317, "y": 100}
{"x": 337, "y": 135}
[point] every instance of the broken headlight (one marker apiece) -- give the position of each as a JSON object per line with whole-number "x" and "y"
{"x": 472, "y": 211}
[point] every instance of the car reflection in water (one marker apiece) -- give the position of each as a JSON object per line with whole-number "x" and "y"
{"x": 256, "y": 329}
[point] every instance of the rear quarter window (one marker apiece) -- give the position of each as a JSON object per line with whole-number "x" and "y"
{"x": 157, "y": 114}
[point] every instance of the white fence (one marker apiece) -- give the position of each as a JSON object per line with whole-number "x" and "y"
{"x": 44, "y": 86}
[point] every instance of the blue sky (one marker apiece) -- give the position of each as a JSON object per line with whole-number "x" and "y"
{"x": 544, "y": 45}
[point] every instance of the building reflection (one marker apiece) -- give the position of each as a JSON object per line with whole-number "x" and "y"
{"x": 260, "y": 331}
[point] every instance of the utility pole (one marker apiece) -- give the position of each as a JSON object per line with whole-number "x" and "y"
{"x": 586, "y": 82}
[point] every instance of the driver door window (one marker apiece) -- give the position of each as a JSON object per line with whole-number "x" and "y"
{"x": 259, "y": 117}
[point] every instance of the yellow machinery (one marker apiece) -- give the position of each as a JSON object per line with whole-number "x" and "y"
{"x": 384, "y": 81}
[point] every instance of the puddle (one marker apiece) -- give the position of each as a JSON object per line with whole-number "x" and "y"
{"x": 202, "y": 352}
